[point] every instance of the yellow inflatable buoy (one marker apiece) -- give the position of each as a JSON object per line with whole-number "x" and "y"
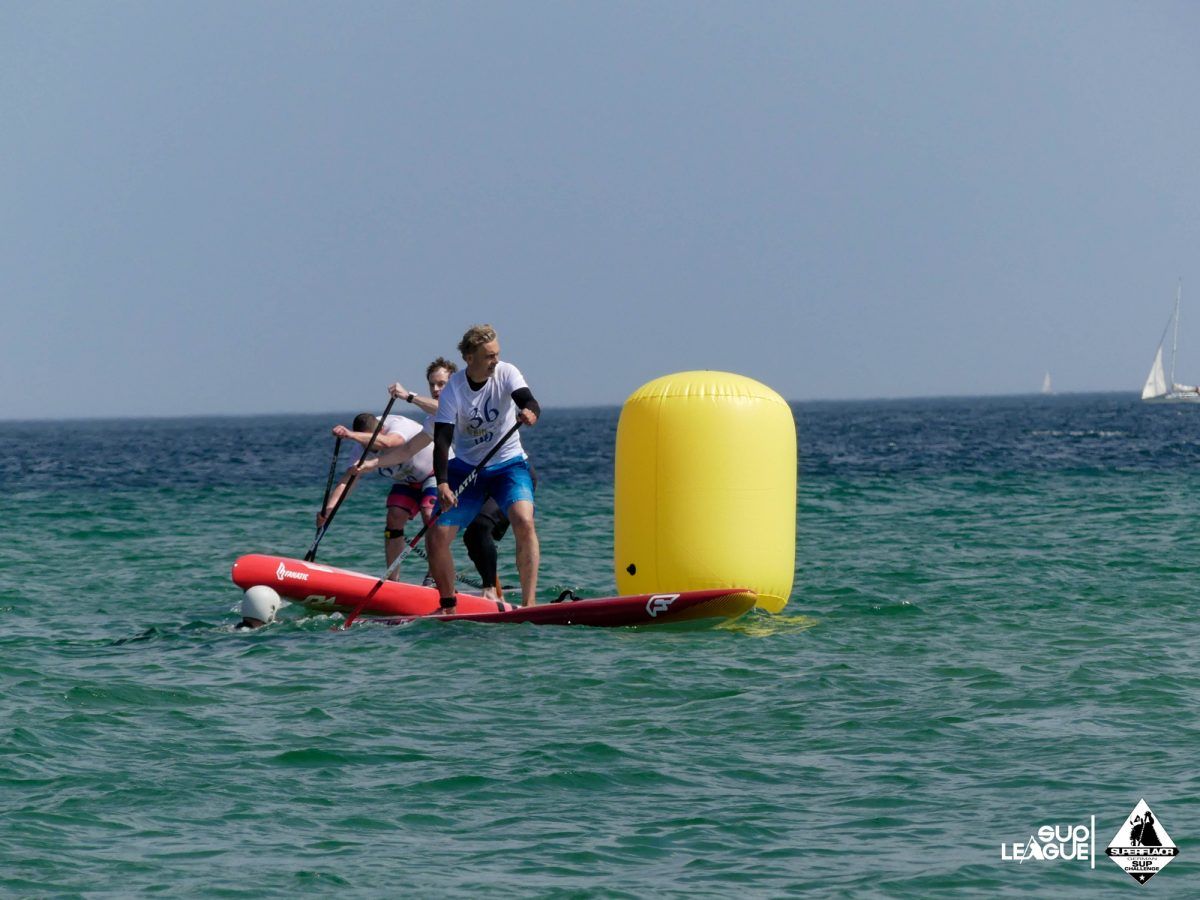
{"x": 705, "y": 488}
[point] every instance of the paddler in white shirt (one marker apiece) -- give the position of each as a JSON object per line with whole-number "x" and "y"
{"x": 490, "y": 524}
{"x": 414, "y": 490}
{"x": 477, "y": 408}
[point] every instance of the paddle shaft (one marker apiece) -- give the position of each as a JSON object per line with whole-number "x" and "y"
{"x": 312, "y": 551}
{"x": 337, "y": 446}
{"x": 466, "y": 483}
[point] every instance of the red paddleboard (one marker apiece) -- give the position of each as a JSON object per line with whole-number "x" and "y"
{"x": 327, "y": 589}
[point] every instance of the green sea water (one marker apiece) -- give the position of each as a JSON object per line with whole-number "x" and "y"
{"x": 991, "y": 630}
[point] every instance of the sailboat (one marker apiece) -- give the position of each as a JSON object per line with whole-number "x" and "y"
{"x": 1046, "y": 386}
{"x": 1157, "y": 388}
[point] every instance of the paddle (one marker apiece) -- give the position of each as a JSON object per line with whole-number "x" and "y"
{"x": 337, "y": 445}
{"x": 312, "y": 551}
{"x": 466, "y": 483}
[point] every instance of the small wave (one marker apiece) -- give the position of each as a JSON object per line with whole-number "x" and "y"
{"x": 763, "y": 624}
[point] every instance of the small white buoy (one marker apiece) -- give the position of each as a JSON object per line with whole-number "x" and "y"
{"x": 259, "y": 606}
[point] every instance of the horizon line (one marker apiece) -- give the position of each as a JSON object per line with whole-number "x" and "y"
{"x": 580, "y": 406}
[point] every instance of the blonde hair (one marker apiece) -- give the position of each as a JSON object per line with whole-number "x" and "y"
{"x": 476, "y": 337}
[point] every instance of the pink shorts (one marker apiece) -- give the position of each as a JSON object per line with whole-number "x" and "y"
{"x": 412, "y": 497}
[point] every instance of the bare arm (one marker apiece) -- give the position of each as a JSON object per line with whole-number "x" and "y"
{"x": 425, "y": 404}
{"x": 385, "y": 441}
{"x": 397, "y": 455}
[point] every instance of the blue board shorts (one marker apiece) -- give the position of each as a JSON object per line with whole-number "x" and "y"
{"x": 506, "y": 483}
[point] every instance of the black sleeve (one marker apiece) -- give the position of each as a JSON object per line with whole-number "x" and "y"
{"x": 443, "y": 437}
{"x": 523, "y": 397}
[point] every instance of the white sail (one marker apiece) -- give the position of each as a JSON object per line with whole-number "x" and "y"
{"x": 1156, "y": 381}
{"x": 1160, "y": 385}
{"x": 1046, "y": 387}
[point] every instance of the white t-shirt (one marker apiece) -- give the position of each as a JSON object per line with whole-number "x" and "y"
{"x": 482, "y": 417}
{"x": 416, "y": 469}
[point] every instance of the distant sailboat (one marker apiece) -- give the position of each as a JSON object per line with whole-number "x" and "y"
{"x": 1157, "y": 387}
{"x": 1046, "y": 388}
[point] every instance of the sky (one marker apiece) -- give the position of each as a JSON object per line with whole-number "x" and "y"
{"x": 270, "y": 207}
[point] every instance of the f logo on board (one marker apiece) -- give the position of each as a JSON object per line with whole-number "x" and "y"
{"x": 1142, "y": 846}
{"x": 660, "y": 603}
{"x": 283, "y": 572}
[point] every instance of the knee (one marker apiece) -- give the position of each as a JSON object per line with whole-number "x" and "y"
{"x": 438, "y": 540}
{"x": 524, "y": 534}
{"x": 520, "y": 516}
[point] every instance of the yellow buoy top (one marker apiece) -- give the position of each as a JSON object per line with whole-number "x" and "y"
{"x": 705, "y": 384}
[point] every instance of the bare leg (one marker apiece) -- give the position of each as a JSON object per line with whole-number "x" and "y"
{"x": 529, "y": 554}
{"x": 426, "y": 516}
{"x": 438, "y": 541}
{"x": 394, "y": 546}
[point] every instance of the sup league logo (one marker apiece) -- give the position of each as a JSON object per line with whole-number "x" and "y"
{"x": 1055, "y": 842}
{"x": 1141, "y": 847}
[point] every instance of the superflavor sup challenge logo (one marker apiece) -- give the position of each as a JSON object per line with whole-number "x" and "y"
{"x": 1142, "y": 847}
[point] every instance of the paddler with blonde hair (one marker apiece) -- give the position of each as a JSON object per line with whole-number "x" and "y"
{"x": 478, "y": 407}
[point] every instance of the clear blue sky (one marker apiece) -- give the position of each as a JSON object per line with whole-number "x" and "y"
{"x": 229, "y": 207}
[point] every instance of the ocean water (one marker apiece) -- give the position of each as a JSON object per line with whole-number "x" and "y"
{"x": 991, "y": 630}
